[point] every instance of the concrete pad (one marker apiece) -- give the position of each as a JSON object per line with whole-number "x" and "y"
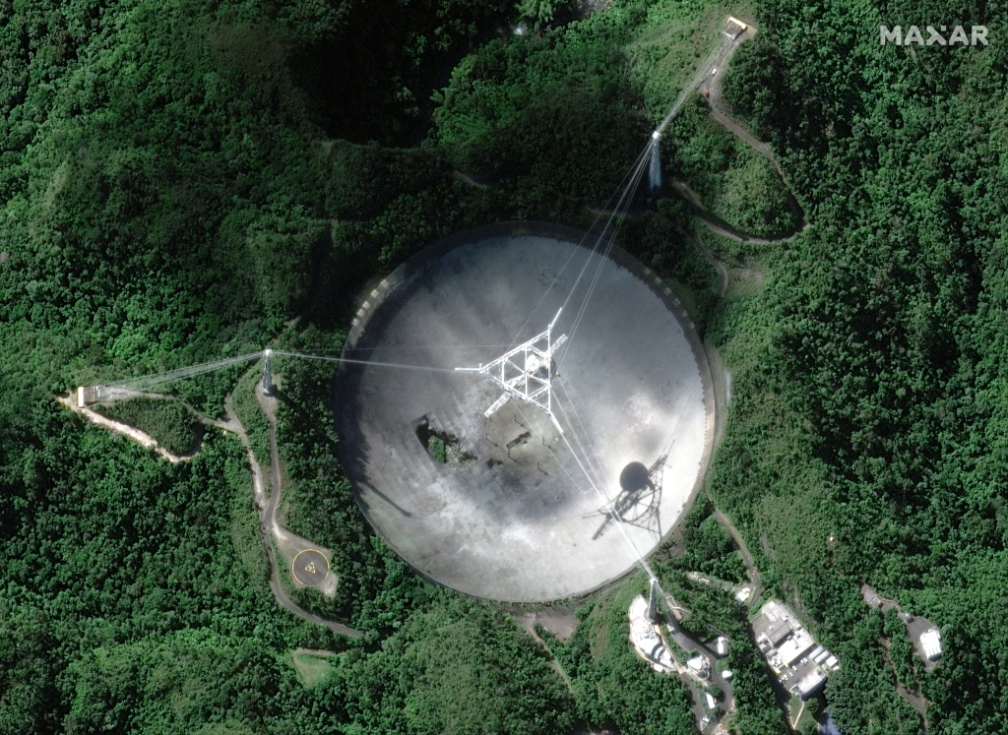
{"x": 310, "y": 568}
{"x": 519, "y": 519}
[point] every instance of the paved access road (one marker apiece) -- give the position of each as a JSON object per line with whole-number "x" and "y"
{"x": 268, "y": 518}
{"x": 266, "y": 506}
{"x": 710, "y": 88}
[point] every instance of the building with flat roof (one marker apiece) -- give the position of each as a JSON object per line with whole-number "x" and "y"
{"x": 795, "y": 647}
{"x": 931, "y": 644}
{"x": 700, "y": 666}
{"x": 721, "y": 646}
{"x": 778, "y": 631}
{"x": 810, "y": 683}
{"x": 800, "y": 663}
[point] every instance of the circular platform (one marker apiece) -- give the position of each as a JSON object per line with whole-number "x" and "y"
{"x": 501, "y": 507}
{"x": 310, "y": 567}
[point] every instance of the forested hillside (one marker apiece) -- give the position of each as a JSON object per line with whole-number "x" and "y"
{"x": 874, "y": 410}
{"x": 179, "y": 181}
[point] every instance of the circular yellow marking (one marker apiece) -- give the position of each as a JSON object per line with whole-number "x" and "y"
{"x": 310, "y": 567}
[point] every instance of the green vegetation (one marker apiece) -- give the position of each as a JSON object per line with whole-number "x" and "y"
{"x": 555, "y": 112}
{"x": 863, "y": 691}
{"x": 611, "y": 685}
{"x": 247, "y": 410}
{"x": 709, "y": 548}
{"x": 457, "y": 667}
{"x": 167, "y": 421}
{"x": 438, "y": 450}
{"x": 177, "y": 181}
{"x": 658, "y": 240}
{"x": 367, "y": 69}
{"x": 166, "y": 200}
{"x": 185, "y": 677}
{"x": 806, "y": 724}
{"x": 732, "y": 180}
{"x": 869, "y": 398}
{"x": 714, "y": 612}
{"x": 443, "y": 447}
{"x": 906, "y": 665}
{"x": 753, "y": 198}
{"x": 376, "y": 591}
{"x": 245, "y": 534}
{"x": 311, "y": 667}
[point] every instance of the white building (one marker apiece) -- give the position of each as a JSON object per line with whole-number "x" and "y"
{"x": 931, "y": 644}
{"x": 799, "y": 662}
{"x": 645, "y": 639}
{"x": 810, "y": 683}
{"x": 721, "y": 646}
{"x": 700, "y": 666}
{"x": 796, "y": 646}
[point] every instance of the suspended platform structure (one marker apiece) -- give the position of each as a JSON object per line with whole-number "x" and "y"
{"x": 540, "y": 436}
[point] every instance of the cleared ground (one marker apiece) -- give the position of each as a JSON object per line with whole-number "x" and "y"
{"x": 311, "y": 665}
{"x": 517, "y": 518}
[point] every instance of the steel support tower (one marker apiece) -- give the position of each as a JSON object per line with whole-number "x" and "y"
{"x": 525, "y": 372}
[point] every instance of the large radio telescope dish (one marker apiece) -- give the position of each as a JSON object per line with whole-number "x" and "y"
{"x": 511, "y": 515}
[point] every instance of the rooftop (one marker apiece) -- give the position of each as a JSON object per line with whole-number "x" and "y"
{"x": 645, "y": 639}
{"x": 800, "y": 663}
{"x": 931, "y": 643}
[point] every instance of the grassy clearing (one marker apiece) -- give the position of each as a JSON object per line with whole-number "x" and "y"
{"x": 246, "y": 408}
{"x": 674, "y": 41}
{"x": 745, "y": 280}
{"x": 806, "y": 724}
{"x": 311, "y": 668}
{"x": 735, "y": 182}
{"x": 167, "y": 421}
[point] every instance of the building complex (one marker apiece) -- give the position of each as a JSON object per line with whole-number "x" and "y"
{"x": 800, "y": 663}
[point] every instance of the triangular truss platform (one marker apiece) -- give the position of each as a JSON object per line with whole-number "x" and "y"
{"x": 525, "y": 372}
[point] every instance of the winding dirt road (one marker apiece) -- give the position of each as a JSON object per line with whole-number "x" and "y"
{"x": 265, "y": 504}
{"x": 747, "y": 557}
{"x": 123, "y": 429}
{"x": 268, "y": 505}
{"x": 720, "y": 110}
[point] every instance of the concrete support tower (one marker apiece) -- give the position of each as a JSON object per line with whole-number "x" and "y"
{"x": 652, "y": 611}
{"x": 267, "y": 380}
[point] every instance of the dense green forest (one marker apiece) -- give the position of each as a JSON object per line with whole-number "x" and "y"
{"x": 178, "y": 181}
{"x": 872, "y": 408}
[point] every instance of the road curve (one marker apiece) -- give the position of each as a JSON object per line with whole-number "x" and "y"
{"x": 118, "y": 427}
{"x": 266, "y": 507}
{"x": 744, "y": 550}
{"x": 268, "y": 521}
{"x": 710, "y": 88}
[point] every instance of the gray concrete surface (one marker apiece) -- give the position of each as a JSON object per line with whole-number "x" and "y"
{"x": 520, "y": 521}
